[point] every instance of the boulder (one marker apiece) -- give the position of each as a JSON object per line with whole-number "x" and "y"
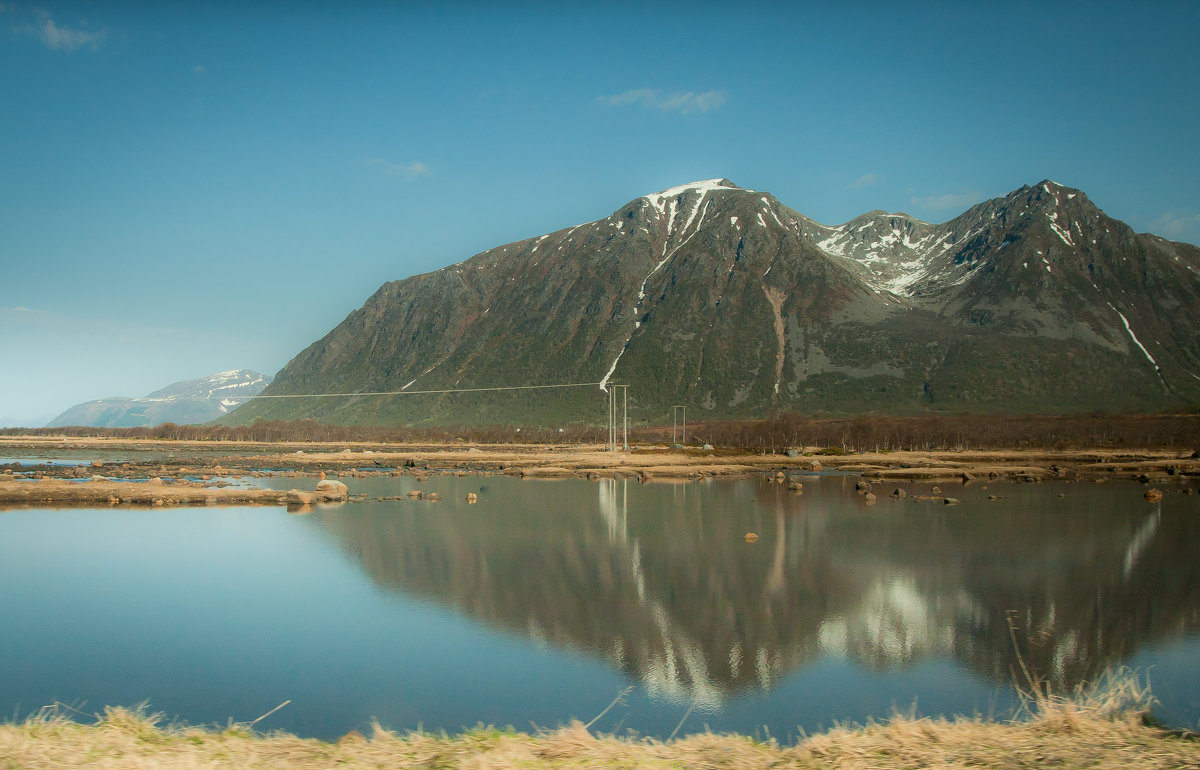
{"x": 415, "y": 494}
{"x": 327, "y": 489}
{"x": 298, "y": 497}
{"x": 1153, "y": 495}
{"x": 899, "y": 494}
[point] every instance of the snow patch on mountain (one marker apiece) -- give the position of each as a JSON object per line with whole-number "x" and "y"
{"x": 891, "y": 252}
{"x": 1136, "y": 341}
{"x": 658, "y": 199}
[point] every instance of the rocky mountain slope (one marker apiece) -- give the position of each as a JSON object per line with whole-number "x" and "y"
{"x": 186, "y": 402}
{"x": 728, "y": 301}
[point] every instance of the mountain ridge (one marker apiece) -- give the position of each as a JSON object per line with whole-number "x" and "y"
{"x": 185, "y": 402}
{"x": 724, "y": 298}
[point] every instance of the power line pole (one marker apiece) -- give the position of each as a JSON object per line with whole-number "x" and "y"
{"x": 676, "y": 411}
{"x": 625, "y": 416}
{"x": 613, "y": 407}
{"x": 609, "y": 427}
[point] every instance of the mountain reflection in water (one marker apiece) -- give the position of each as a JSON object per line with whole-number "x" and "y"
{"x": 658, "y": 579}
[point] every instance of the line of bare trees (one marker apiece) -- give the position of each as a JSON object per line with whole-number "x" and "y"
{"x": 774, "y": 434}
{"x": 946, "y": 432}
{"x": 313, "y": 431}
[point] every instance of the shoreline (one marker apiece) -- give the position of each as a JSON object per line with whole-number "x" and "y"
{"x": 1107, "y": 728}
{"x": 182, "y": 477}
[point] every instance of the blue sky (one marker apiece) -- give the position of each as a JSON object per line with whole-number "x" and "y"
{"x": 198, "y": 187}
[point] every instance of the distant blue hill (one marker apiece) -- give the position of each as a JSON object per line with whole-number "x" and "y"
{"x": 187, "y": 402}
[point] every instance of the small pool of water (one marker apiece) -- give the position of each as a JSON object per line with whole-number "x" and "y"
{"x": 43, "y": 461}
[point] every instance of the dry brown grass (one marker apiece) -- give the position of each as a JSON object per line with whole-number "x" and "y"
{"x": 1104, "y": 728}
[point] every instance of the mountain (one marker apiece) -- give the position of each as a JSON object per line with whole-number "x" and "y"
{"x": 186, "y": 402}
{"x": 25, "y": 421}
{"x": 726, "y": 300}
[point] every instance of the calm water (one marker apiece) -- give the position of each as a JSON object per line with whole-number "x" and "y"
{"x": 545, "y": 599}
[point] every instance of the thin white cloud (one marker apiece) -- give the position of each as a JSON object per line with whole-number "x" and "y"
{"x": 199, "y": 69}
{"x": 676, "y": 101}
{"x": 644, "y": 95}
{"x": 866, "y": 180}
{"x": 406, "y": 170}
{"x": 58, "y": 38}
{"x": 1177, "y": 226}
{"x": 959, "y": 201}
{"x": 17, "y": 309}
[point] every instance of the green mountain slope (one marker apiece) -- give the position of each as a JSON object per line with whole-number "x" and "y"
{"x": 726, "y": 300}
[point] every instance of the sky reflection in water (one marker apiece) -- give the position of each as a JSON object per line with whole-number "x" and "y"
{"x": 545, "y": 599}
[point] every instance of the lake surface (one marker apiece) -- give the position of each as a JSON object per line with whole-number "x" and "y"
{"x": 546, "y": 599}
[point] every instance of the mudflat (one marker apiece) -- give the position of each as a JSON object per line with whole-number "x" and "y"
{"x": 162, "y": 472}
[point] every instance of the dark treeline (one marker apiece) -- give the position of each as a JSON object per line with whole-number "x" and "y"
{"x": 953, "y": 432}
{"x": 311, "y": 430}
{"x": 774, "y": 434}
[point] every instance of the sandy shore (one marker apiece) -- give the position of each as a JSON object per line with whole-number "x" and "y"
{"x": 183, "y": 473}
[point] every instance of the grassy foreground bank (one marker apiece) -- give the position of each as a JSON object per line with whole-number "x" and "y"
{"x": 1095, "y": 731}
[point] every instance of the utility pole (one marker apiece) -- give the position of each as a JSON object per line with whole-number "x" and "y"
{"x": 676, "y": 411}
{"x": 625, "y": 418}
{"x": 611, "y": 439}
{"x": 613, "y": 407}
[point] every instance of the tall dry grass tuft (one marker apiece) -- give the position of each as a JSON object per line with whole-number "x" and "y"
{"x": 1103, "y": 726}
